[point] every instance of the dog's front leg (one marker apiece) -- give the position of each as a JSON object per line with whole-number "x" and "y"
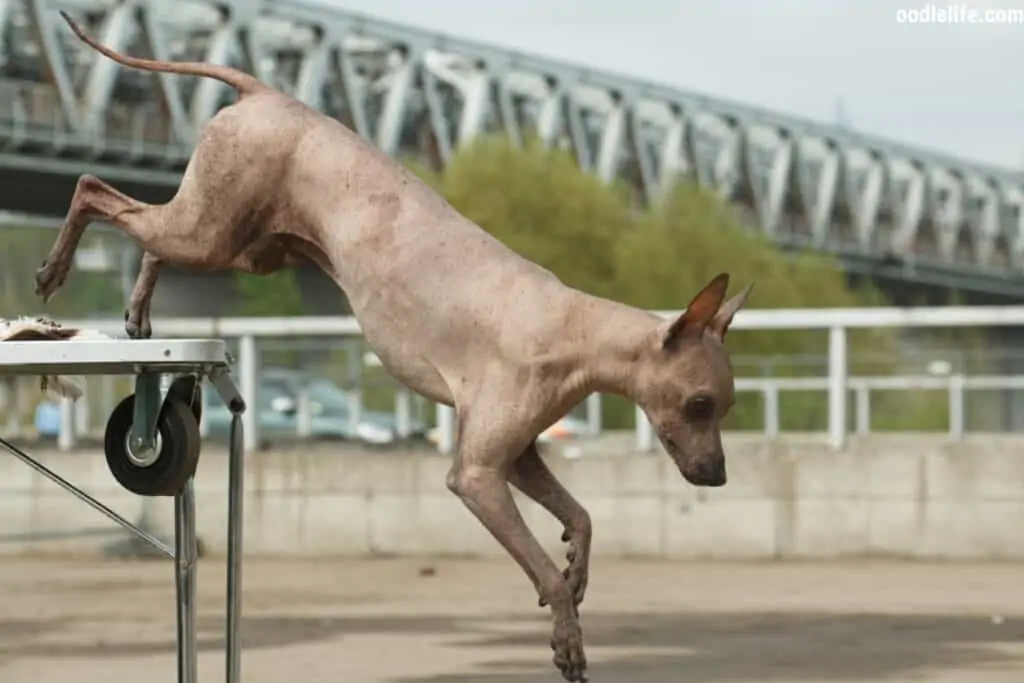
{"x": 137, "y": 316}
{"x": 478, "y": 478}
{"x": 531, "y": 475}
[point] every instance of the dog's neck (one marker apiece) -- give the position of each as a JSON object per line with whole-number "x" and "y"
{"x": 614, "y": 340}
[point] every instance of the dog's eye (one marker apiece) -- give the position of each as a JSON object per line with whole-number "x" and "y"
{"x": 700, "y": 408}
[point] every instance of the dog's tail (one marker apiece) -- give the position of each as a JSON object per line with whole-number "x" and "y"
{"x": 239, "y": 80}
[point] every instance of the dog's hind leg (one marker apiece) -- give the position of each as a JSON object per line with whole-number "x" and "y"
{"x": 170, "y": 232}
{"x": 266, "y": 256}
{"x": 479, "y": 477}
{"x": 93, "y": 200}
{"x": 137, "y": 316}
{"x": 531, "y": 475}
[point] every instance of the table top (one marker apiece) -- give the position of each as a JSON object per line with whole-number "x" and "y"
{"x": 112, "y": 356}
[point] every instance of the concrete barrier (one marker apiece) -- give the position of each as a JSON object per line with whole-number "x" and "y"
{"x": 913, "y": 496}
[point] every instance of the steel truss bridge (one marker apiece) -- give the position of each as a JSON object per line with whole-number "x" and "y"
{"x": 884, "y": 208}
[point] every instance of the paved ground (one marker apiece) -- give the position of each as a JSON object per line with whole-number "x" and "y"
{"x": 378, "y": 621}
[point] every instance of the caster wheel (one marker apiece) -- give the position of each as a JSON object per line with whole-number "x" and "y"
{"x": 189, "y": 391}
{"x": 177, "y": 449}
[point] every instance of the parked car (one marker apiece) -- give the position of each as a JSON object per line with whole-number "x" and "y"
{"x": 47, "y": 419}
{"x": 279, "y": 394}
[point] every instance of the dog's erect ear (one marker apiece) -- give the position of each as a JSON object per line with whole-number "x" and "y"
{"x": 700, "y": 313}
{"x": 719, "y": 325}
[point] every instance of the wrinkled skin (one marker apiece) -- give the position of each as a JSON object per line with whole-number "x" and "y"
{"x": 452, "y": 312}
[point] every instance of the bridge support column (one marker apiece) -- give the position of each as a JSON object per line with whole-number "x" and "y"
{"x": 103, "y": 73}
{"x": 396, "y": 102}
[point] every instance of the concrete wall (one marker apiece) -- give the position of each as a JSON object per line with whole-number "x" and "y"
{"x": 899, "y": 495}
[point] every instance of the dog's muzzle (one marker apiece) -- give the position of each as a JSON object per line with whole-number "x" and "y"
{"x": 710, "y": 472}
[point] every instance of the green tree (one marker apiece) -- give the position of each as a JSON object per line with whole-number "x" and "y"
{"x": 276, "y": 294}
{"x": 541, "y": 204}
{"x": 538, "y": 203}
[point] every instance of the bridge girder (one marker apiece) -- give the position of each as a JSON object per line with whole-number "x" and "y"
{"x": 414, "y": 92}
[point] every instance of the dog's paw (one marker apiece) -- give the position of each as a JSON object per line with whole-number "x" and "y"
{"x": 50, "y": 277}
{"x": 567, "y": 644}
{"x": 577, "y": 573}
{"x": 137, "y": 326}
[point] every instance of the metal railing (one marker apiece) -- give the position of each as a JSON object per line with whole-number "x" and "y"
{"x": 837, "y": 384}
{"x": 955, "y": 386}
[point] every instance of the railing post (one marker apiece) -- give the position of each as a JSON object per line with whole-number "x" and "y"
{"x": 594, "y": 414}
{"x": 353, "y": 363}
{"x": 66, "y": 434}
{"x": 403, "y": 413}
{"x": 771, "y": 409}
{"x": 837, "y": 375}
{"x": 956, "y": 406}
{"x": 863, "y": 394}
{"x": 644, "y": 432}
{"x": 354, "y": 372}
{"x": 248, "y": 370}
{"x": 82, "y": 416}
{"x": 445, "y": 429}
{"x": 12, "y": 405}
{"x": 355, "y": 411}
{"x": 108, "y": 395}
{"x": 303, "y": 414}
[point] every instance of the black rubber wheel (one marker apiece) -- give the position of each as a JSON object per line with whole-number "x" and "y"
{"x": 189, "y": 390}
{"x": 179, "y": 449}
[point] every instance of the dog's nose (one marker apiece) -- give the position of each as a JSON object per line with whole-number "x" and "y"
{"x": 718, "y": 472}
{"x": 712, "y": 472}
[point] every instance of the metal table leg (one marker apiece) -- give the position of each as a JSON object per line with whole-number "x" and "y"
{"x": 185, "y": 552}
{"x": 236, "y": 486}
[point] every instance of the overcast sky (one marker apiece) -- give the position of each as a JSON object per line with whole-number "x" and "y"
{"x": 956, "y": 88}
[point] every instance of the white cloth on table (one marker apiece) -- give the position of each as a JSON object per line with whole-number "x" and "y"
{"x": 44, "y": 329}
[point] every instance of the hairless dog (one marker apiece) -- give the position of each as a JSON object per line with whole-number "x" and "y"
{"x": 452, "y": 312}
